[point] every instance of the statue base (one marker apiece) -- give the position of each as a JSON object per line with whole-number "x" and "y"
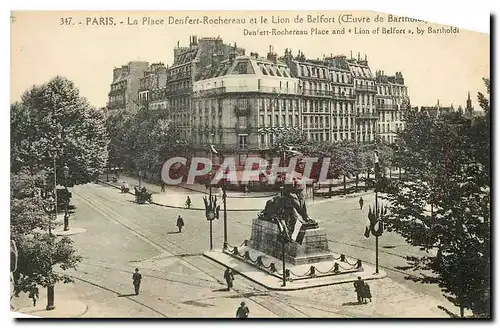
{"x": 313, "y": 249}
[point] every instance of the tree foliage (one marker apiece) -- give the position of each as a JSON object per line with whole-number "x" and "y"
{"x": 38, "y": 250}
{"x": 53, "y": 119}
{"x": 443, "y": 206}
{"x": 142, "y": 141}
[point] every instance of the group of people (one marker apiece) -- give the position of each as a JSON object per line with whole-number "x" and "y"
{"x": 362, "y": 291}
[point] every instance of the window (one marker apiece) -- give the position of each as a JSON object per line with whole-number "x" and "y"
{"x": 242, "y": 141}
{"x": 262, "y": 139}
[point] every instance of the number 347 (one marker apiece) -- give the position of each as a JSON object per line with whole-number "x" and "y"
{"x": 66, "y": 20}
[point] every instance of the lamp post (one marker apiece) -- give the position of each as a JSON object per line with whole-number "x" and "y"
{"x": 52, "y": 205}
{"x": 224, "y": 197}
{"x": 66, "y": 200}
{"x": 55, "y": 184}
{"x": 211, "y": 211}
{"x": 376, "y": 217}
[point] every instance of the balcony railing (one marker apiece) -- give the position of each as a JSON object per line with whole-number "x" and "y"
{"x": 367, "y": 116}
{"x": 366, "y": 88}
{"x": 239, "y": 89}
{"x": 386, "y": 107}
{"x": 242, "y": 110}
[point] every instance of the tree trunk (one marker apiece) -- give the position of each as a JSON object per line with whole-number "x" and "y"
{"x": 390, "y": 173}
{"x": 461, "y": 311}
{"x": 345, "y": 186}
{"x": 330, "y": 191}
{"x": 357, "y": 181}
{"x": 400, "y": 173}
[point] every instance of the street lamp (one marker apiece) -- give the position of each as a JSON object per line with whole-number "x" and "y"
{"x": 224, "y": 197}
{"x": 376, "y": 217}
{"x": 211, "y": 211}
{"x": 52, "y": 205}
{"x": 66, "y": 198}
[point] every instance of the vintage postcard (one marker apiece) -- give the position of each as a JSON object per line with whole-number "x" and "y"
{"x": 248, "y": 164}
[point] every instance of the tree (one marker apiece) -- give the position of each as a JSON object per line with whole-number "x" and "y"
{"x": 118, "y": 124}
{"x": 443, "y": 205}
{"x": 38, "y": 250}
{"x": 53, "y": 120}
{"x": 150, "y": 140}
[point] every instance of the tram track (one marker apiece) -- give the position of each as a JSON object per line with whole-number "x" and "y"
{"x": 161, "y": 243}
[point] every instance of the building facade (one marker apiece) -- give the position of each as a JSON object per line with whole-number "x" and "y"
{"x": 326, "y": 96}
{"x": 188, "y": 61}
{"x": 365, "y": 110}
{"x": 125, "y": 86}
{"x": 391, "y": 102}
{"x": 241, "y": 104}
{"x": 154, "y": 78}
{"x": 214, "y": 94}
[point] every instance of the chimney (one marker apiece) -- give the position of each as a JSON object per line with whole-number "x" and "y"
{"x": 178, "y": 43}
{"x": 358, "y": 57}
{"x": 351, "y": 54}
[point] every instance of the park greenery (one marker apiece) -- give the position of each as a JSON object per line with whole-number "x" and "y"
{"x": 442, "y": 205}
{"x": 55, "y": 135}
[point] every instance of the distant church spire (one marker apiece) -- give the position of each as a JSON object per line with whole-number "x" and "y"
{"x": 469, "y": 102}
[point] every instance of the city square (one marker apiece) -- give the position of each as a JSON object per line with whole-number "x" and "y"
{"x": 217, "y": 182}
{"x": 180, "y": 282}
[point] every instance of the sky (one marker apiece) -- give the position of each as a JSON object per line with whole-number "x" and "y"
{"x": 440, "y": 67}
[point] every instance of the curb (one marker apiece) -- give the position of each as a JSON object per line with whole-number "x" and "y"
{"x": 243, "y": 197}
{"x": 182, "y": 207}
{"x": 288, "y": 289}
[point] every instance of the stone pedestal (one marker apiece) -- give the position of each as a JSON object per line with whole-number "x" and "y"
{"x": 314, "y": 247}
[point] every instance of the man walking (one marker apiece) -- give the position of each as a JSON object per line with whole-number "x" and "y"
{"x": 242, "y": 311}
{"x": 180, "y": 223}
{"x": 361, "y": 202}
{"x": 34, "y": 295}
{"x": 228, "y": 276}
{"x": 137, "y": 277}
{"x": 358, "y": 287}
{"x": 188, "y": 202}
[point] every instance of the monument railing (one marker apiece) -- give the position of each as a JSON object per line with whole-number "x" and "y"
{"x": 312, "y": 272}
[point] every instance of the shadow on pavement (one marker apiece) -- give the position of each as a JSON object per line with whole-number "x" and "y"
{"x": 220, "y": 290}
{"x": 172, "y": 232}
{"x": 352, "y": 303}
{"x": 126, "y": 295}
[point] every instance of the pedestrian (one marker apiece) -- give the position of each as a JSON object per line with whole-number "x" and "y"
{"x": 34, "y": 295}
{"x": 228, "y": 276}
{"x": 180, "y": 223}
{"x": 358, "y": 287}
{"x": 162, "y": 186}
{"x": 366, "y": 292}
{"x": 188, "y": 202}
{"x": 137, "y": 277}
{"x": 242, "y": 311}
{"x": 361, "y": 202}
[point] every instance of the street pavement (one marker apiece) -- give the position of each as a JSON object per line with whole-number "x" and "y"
{"x": 178, "y": 281}
{"x": 175, "y": 196}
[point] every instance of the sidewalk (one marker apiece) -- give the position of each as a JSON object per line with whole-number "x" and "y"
{"x": 66, "y": 305}
{"x": 175, "y": 197}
